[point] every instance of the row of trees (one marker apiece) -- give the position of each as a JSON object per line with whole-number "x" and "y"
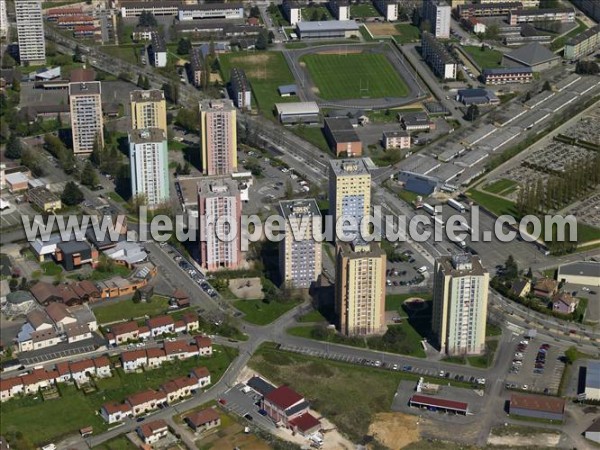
{"x": 537, "y": 197}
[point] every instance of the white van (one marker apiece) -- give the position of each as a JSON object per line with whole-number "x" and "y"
{"x": 422, "y": 269}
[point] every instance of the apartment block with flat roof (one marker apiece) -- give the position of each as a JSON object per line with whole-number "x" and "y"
{"x": 460, "y": 297}
{"x": 526, "y": 3}
{"x": 299, "y": 253}
{"x": 437, "y": 13}
{"x": 30, "y": 32}
{"x": 360, "y": 288}
{"x": 85, "y": 103}
{"x": 240, "y": 89}
{"x": 340, "y": 9}
{"x": 349, "y": 190}
{"x": 437, "y": 57}
{"x": 387, "y": 8}
{"x": 149, "y": 163}
{"x": 219, "y": 210}
{"x": 148, "y": 109}
{"x": 218, "y": 137}
{"x": 292, "y": 11}
{"x": 583, "y": 44}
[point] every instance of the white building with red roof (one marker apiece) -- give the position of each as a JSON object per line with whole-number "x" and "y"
{"x": 180, "y": 349}
{"x": 204, "y": 345}
{"x": 102, "y": 365}
{"x": 115, "y": 412}
{"x": 145, "y": 401}
{"x": 11, "y": 387}
{"x": 120, "y": 333}
{"x": 178, "y": 388}
{"x": 81, "y": 371}
{"x": 133, "y": 360}
{"x": 284, "y": 404}
{"x": 201, "y": 375}
{"x": 161, "y": 325}
{"x": 156, "y": 356}
{"x": 152, "y": 432}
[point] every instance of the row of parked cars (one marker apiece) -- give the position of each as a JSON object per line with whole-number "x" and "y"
{"x": 518, "y": 356}
{"x": 197, "y": 276}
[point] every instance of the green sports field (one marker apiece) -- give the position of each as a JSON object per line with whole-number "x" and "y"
{"x": 354, "y": 75}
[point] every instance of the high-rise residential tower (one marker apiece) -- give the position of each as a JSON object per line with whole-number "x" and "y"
{"x": 30, "y": 32}
{"x": 219, "y": 211}
{"x": 218, "y": 137}
{"x": 437, "y": 13}
{"x": 148, "y": 109}
{"x": 460, "y": 297}
{"x": 149, "y": 162}
{"x": 349, "y": 190}
{"x": 3, "y": 20}
{"x": 299, "y": 253}
{"x": 85, "y": 100}
{"x": 360, "y": 288}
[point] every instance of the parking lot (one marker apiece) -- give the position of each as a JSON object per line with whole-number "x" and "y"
{"x": 402, "y": 274}
{"x": 38, "y": 357}
{"x": 537, "y": 367}
{"x": 244, "y": 404}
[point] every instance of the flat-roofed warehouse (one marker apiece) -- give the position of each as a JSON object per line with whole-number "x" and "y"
{"x": 327, "y": 29}
{"x": 298, "y": 112}
{"x": 341, "y": 137}
{"x": 537, "y": 406}
{"x": 592, "y": 381}
{"x": 580, "y": 272}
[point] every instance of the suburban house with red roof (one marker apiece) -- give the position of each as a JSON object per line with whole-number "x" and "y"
{"x": 284, "y": 404}
{"x": 178, "y": 388}
{"x": 145, "y": 401}
{"x": 156, "y": 356}
{"x": 133, "y": 360}
{"x": 545, "y": 288}
{"x": 11, "y": 387}
{"x": 161, "y": 325}
{"x": 204, "y": 345}
{"x": 81, "y": 371}
{"x": 64, "y": 372}
{"x": 564, "y": 303}
{"x": 203, "y": 420}
{"x": 180, "y": 326}
{"x": 201, "y": 375}
{"x": 102, "y": 365}
{"x": 115, "y": 412}
{"x": 144, "y": 333}
{"x": 120, "y": 333}
{"x": 38, "y": 379}
{"x": 305, "y": 424}
{"x": 191, "y": 322}
{"x": 180, "y": 349}
{"x": 151, "y": 432}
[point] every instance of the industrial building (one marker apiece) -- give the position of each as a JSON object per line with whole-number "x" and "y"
{"x": 477, "y": 97}
{"x": 349, "y": 190}
{"x": 149, "y": 164}
{"x": 396, "y": 139}
{"x": 387, "y": 8}
{"x": 583, "y": 44}
{"x": 298, "y": 112}
{"x": 340, "y": 29}
{"x": 563, "y": 15}
{"x": 340, "y": 9}
{"x": 593, "y": 432}
{"x": 292, "y": 11}
{"x": 506, "y": 76}
{"x": 218, "y": 137}
{"x": 300, "y": 254}
{"x": 148, "y": 109}
{"x": 586, "y": 273}
{"x": 360, "y": 288}
{"x": 157, "y": 51}
{"x": 417, "y": 183}
{"x": 44, "y": 199}
{"x": 533, "y": 55}
{"x": 85, "y": 103}
{"x": 460, "y": 297}
{"x": 342, "y": 137}
{"x": 219, "y": 211}
{"x": 437, "y": 57}
{"x": 537, "y": 407}
{"x": 439, "y": 404}
{"x": 211, "y": 11}
{"x": 30, "y": 32}
{"x": 437, "y": 12}
{"x": 239, "y": 87}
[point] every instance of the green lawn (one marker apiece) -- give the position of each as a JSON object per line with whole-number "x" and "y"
{"x": 561, "y": 41}
{"x": 407, "y": 33}
{"x": 44, "y": 421}
{"x": 307, "y": 13}
{"x": 492, "y": 330}
{"x": 129, "y": 53}
{"x": 408, "y": 196}
{"x": 118, "y": 443}
{"x": 127, "y": 309}
{"x": 348, "y": 395}
{"x": 486, "y": 359}
{"x": 313, "y": 316}
{"x": 266, "y": 71}
{"x": 501, "y": 187}
{"x": 486, "y": 58}
{"x": 363, "y": 10}
{"x": 314, "y": 135}
{"x": 50, "y": 268}
{"x": 261, "y": 313}
{"x": 116, "y": 270}
{"x": 393, "y": 302}
{"x": 354, "y": 75}
{"x": 116, "y": 197}
{"x": 494, "y": 204}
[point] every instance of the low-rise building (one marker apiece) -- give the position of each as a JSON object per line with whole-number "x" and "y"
{"x": 328, "y": 29}
{"x": 307, "y": 113}
{"x": 477, "y": 97}
{"x": 241, "y": 93}
{"x": 120, "y": 333}
{"x": 74, "y": 254}
{"x": 533, "y": 55}
{"x": 115, "y": 412}
{"x": 204, "y": 345}
{"x": 283, "y": 405}
{"x": 564, "y": 303}
{"x": 563, "y": 15}
{"x": 418, "y": 121}
{"x": 10, "y": 388}
{"x": 487, "y": 10}
{"x": 161, "y": 325}
{"x": 545, "y": 288}
{"x": 583, "y": 44}
{"x": 201, "y": 375}
{"x": 586, "y": 273}
{"x": 521, "y": 288}
{"x": 396, "y": 139}
{"x": 152, "y": 432}
{"x": 203, "y": 420}
{"x": 155, "y": 357}
{"x": 196, "y": 66}
{"x": 146, "y": 401}
{"x": 592, "y": 380}
{"x": 342, "y": 138}
{"x": 537, "y": 407}
{"x": 133, "y": 360}
{"x": 158, "y": 50}
{"x": 227, "y": 10}
{"x": 178, "y": 388}
{"x": 292, "y": 11}
{"x": 44, "y": 199}
{"x": 507, "y": 75}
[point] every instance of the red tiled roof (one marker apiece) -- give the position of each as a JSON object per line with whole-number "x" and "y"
{"x": 63, "y": 368}
{"x": 55, "y": 11}
{"x": 144, "y": 397}
{"x": 80, "y": 366}
{"x": 149, "y": 428}
{"x": 57, "y": 311}
{"x": 538, "y": 403}
{"x": 101, "y": 361}
{"x": 201, "y": 417}
{"x": 38, "y": 375}
{"x": 203, "y": 341}
{"x": 305, "y": 422}
{"x": 180, "y": 346}
{"x": 200, "y": 372}
{"x": 159, "y": 321}
{"x": 155, "y": 352}
{"x": 439, "y": 402}
{"x": 69, "y": 19}
{"x": 177, "y": 384}
{"x": 144, "y": 329}
{"x": 133, "y": 355}
{"x": 10, "y": 383}
{"x": 180, "y": 294}
{"x": 114, "y": 407}
{"x": 124, "y": 328}
{"x": 190, "y": 318}
{"x": 283, "y": 397}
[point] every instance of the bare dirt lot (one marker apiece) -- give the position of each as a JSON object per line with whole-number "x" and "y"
{"x": 382, "y": 29}
{"x": 246, "y": 288}
{"x": 261, "y": 61}
{"x": 395, "y": 430}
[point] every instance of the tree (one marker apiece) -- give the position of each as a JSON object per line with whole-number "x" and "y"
{"x": 140, "y": 81}
{"x": 492, "y": 32}
{"x": 89, "y": 177}
{"x": 71, "y": 195}
{"x": 262, "y": 41}
{"x": 416, "y": 17}
{"x": 13, "y": 147}
{"x": 472, "y": 113}
{"x": 16, "y": 85}
{"x": 59, "y": 122}
{"x": 184, "y": 46}
{"x": 147, "y": 19}
{"x": 78, "y": 56}
{"x": 587, "y": 68}
{"x": 315, "y": 15}
{"x": 571, "y": 355}
{"x": 547, "y": 86}
{"x": 146, "y": 82}
{"x": 425, "y": 26}
{"x": 171, "y": 92}
{"x": 324, "y": 16}
{"x": 511, "y": 270}
{"x": 529, "y": 274}
{"x": 255, "y": 12}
